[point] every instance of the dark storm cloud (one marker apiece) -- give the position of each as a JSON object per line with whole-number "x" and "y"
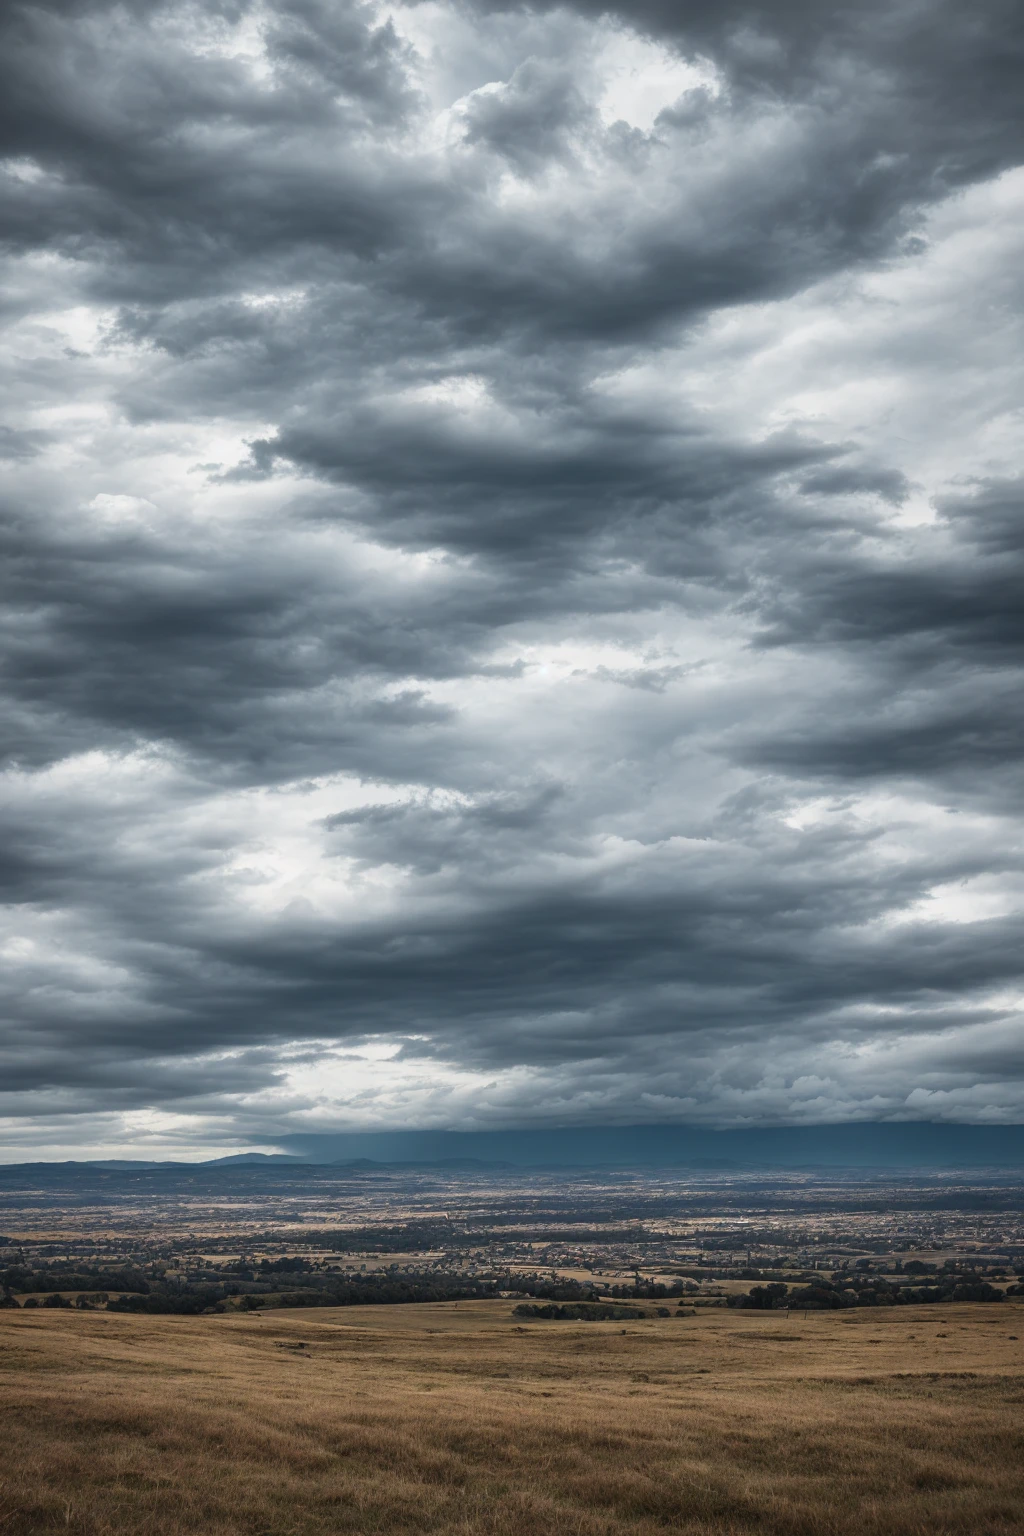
{"x": 186, "y": 178}
{"x": 960, "y": 592}
{"x": 453, "y": 597}
{"x": 938, "y": 636}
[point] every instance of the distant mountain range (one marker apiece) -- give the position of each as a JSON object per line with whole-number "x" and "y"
{"x": 263, "y": 1158}
{"x": 269, "y": 1160}
{"x": 904, "y": 1145}
{"x": 891, "y": 1144}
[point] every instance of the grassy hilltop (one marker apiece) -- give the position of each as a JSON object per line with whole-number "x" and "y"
{"x": 464, "y": 1420}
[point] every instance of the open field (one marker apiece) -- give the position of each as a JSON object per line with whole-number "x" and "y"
{"x": 457, "y": 1419}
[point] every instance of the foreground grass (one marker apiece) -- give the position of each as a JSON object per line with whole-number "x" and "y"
{"x": 445, "y": 1419}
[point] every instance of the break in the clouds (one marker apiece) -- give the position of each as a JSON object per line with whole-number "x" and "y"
{"x": 513, "y": 546}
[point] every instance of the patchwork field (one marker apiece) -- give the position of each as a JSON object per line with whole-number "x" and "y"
{"x": 458, "y": 1419}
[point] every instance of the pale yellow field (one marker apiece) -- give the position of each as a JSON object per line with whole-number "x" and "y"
{"x": 457, "y": 1419}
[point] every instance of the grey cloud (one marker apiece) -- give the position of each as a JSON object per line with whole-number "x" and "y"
{"x": 148, "y": 180}
{"x": 531, "y": 120}
{"x": 408, "y": 639}
{"x": 20, "y": 445}
{"x": 958, "y": 591}
{"x": 851, "y": 480}
{"x": 930, "y": 630}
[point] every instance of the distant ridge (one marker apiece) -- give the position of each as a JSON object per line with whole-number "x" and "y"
{"x": 865, "y": 1144}
{"x": 872, "y": 1145}
{"x": 257, "y": 1160}
{"x": 113, "y": 1163}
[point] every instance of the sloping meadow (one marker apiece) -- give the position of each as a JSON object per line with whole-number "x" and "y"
{"x": 464, "y": 1419}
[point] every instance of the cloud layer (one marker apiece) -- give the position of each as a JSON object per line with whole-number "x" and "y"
{"x": 513, "y": 546}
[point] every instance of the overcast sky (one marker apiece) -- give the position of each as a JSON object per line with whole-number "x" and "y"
{"x": 512, "y": 533}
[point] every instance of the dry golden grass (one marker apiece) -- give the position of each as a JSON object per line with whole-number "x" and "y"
{"x": 444, "y": 1419}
